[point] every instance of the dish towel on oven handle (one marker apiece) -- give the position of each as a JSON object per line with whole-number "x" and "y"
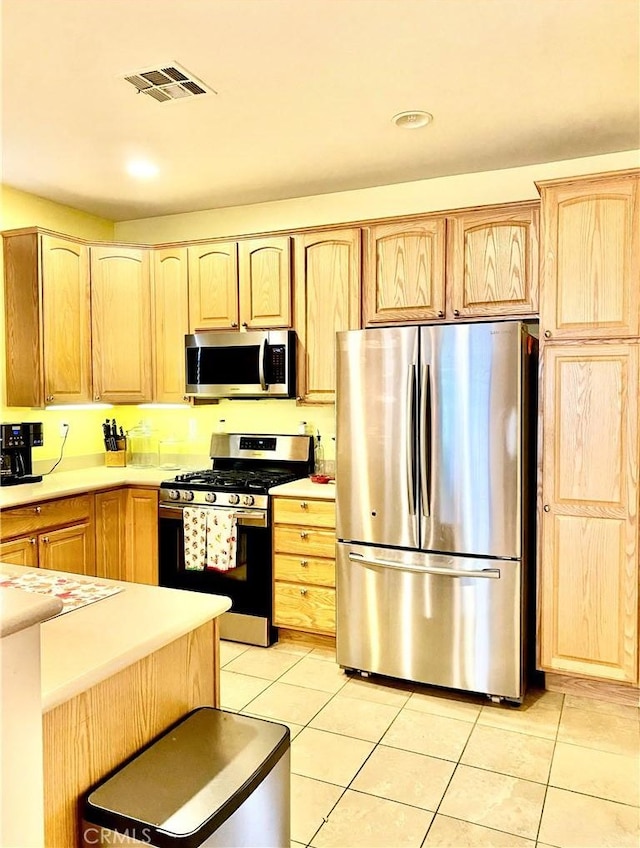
{"x": 222, "y": 535}
{"x": 194, "y": 521}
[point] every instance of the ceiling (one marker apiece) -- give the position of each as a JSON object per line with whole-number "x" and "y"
{"x": 305, "y": 94}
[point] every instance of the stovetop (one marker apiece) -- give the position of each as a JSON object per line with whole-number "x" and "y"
{"x": 214, "y": 480}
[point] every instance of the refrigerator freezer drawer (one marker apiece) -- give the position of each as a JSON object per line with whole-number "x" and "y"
{"x": 431, "y": 618}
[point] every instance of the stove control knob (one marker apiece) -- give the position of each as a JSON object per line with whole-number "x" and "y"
{"x": 174, "y": 495}
{"x": 248, "y": 500}
{"x": 187, "y": 496}
{"x": 234, "y": 499}
{"x": 210, "y": 497}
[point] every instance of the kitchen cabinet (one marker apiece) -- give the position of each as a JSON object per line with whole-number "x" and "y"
{"x": 121, "y": 324}
{"x": 475, "y": 263}
{"x": 48, "y": 319}
{"x": 588, "y": 563}
{"x": 492, "y": 262}
{"x": 304, "y": 565}
{"x": 590, "y": 269}
{"x": 127, "y": 535}
{"x": 171, "y": 323}
{"x": 60, "y": 534}
{"x": 213, "y": 286}
{"x": 111, "y": 534}
{"x": 327, "y": 300}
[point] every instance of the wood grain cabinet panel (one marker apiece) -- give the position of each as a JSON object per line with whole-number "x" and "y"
{"x": 492, "y": 262}
{"x": 213, "y": 286}
{"x": 589, "y": 558}
{"x": 111, "y": 534}
{"x": 308, "y": 608}
{"x": 327, "y": 298}
{"x": 265, "y": 282}
{"x": 142, "y": 536}
{"x": 121, "y": 319}
{"x": 171, "y": 324}
{"x": 68, "y": 549}
{"x": 404, "y": 276}
{"x": 20, "y": 551}
{"x": 311, "y": 513}
{"x": 47, "y": 320}
{"x": 591, "y": 257}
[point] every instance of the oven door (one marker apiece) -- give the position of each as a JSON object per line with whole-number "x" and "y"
{"x": 249, "y": 584}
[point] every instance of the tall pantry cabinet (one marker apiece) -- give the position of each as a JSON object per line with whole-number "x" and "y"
{"x": 590, "y": 354}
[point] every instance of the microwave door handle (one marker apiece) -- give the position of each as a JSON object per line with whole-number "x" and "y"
{"x": 261, "y": 357}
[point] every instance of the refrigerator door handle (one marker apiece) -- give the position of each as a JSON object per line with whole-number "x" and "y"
{"x": 411, "y": 439}
{"x": 487, "y": 573}
{"x": 425, "y": 441}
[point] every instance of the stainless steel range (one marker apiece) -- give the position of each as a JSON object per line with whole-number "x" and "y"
{"x": 244, "y": 468}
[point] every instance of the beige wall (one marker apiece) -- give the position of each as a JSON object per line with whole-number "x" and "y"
{"x": 504, "y": 186}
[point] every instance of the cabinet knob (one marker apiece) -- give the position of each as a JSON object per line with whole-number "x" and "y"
{"x": 546, "y": 508}
{"x": 49, "y": 398}
{"x": 303, "y": 591}
{"x": 45, "y": 539}
{"x": 456, "y": 313}
{"x": 37, "y": 510}
{"x": 304, "y": 563}
{"x": 244, "y": 324}
{"x": 96, "y": 397}
{"x": 547, "y": 334}
{"x": 32, "y": 540}
{"x": 235, "y": 324}
{"x": 303, "y": 535}
{"x": 441, "y": 314}
{"x": 304, "y": 505}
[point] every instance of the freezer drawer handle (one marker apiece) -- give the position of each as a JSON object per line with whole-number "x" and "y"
{"x": 489, "y": 573}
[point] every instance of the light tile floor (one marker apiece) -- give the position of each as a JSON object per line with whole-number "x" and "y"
{"x": 377, "y": 762}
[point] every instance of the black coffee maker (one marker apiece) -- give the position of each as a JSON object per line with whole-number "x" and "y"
{"x": 16, "y": 442}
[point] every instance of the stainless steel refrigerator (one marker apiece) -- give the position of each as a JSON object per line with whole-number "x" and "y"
{"x": 435, "y": 439}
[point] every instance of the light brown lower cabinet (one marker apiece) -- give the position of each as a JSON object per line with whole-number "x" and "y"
{"x": 127, "y": 535}
{"x": 304, "y": 565}
{"x": 111, "y": 529}
{"x": 20, "y": 551}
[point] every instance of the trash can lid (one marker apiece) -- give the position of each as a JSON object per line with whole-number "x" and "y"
{"x": 185, "y": 785}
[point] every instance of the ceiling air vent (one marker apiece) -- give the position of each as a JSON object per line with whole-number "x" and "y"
{"x": 170, "y": 82}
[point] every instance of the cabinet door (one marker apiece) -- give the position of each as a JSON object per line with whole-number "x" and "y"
{"x": 121, "y": 319}
{"x": 589, "y": 557}
{"x": 591, "y": 258}
{"x": 213, "y": 286}
{"x": 69, "y": 549}
{"x": 20, "y": 551}
{"x": 492, "y": 262}
{"x": 142, "y": 536}
{"x": 327, "y": 300}
{"x": 404, "y": 272}
{"x": 171, "y": 305}
{"x": 111, "y": 534}
{"x": 66, "y": 306}
{"x": 265, "y": 282}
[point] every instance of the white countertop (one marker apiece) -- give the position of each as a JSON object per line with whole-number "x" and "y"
{"x": 88, "y": 645}
{"x": 91, "y": 479}
{"x": 306, "y": 488}
{"x": 19, "y": 610}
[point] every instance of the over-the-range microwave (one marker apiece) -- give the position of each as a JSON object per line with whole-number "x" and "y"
{"x": 252, "y": 364}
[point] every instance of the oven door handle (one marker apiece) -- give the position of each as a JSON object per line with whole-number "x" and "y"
{"x": 245, "y": 517}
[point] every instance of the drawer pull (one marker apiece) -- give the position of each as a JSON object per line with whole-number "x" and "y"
{"x": 37, "y": 510}
{"x": 303, "y": 591}
{"x": 45, "y": 539}
{"x": 303, "y": 535}
{"x": 304, "y": 563}
{"x": 32, "y": 540}
{"x": 304, "y": 505}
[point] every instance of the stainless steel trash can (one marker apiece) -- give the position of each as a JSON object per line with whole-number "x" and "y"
{"x": 214, "y": 779}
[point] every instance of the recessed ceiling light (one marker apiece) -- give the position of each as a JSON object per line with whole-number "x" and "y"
{"x": 142, "y": 169}
{"x": 412, "y": 120}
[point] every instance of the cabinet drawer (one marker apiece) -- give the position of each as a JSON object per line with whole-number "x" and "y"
{"x": 305, "y": 607}
{"x": 41, "y": 516}
{"x": 304, "y": 540}
{"x": 319, "y": 572}
{"x": 301, "y": 511}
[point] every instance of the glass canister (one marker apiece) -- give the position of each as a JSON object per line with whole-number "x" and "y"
{"x": 142, "y": 446}
{"x": 171, "y": 453}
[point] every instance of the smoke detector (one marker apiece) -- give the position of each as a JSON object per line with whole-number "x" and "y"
{"x": 168, "y": 82}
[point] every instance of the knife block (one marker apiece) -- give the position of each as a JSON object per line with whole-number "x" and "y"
{"x": 115, "y": 459}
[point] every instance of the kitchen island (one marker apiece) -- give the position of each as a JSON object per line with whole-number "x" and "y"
{"x": 115, "y": 674}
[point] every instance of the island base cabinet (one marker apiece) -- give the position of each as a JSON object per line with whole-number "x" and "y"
{"x": 90, "y": 735}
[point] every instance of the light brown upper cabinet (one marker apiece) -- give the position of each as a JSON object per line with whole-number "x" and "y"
{"x": 492, "y": 262}
{"x": 327, "y": 286}
{"x": 213, "y": 286}
{"x": 404, "y": 271}
{"x": 265, "y": 282}
{"x": 588, "y": 564}
{"x": 591, "y": 257}
{"x": 121, "y": 320}
{"x": 48, "y": 320}
{"x": 171, "y": 313}
{"x": 475, "y": 263}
